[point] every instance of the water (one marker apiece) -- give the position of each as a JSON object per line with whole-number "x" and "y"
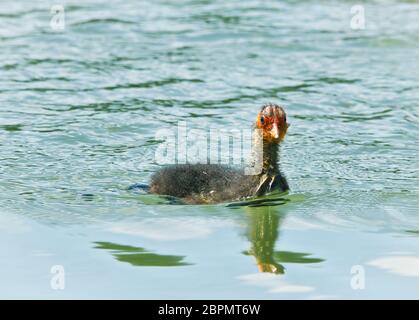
{"x": 79, "y": 110}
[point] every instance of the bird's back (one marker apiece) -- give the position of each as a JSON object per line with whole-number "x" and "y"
{"x": 202, "y": 183}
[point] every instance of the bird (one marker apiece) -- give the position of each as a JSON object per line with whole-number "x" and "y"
{"x": 216, "y": 183}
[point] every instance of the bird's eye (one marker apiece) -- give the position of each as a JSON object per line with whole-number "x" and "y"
{"x": 262, "y": 120}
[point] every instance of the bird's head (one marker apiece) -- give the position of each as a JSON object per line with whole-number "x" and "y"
{"x": 272, "y": 120}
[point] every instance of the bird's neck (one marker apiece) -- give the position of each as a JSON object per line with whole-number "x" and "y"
{"x": 265, "y": 157}
{"x": 270, "y": 158}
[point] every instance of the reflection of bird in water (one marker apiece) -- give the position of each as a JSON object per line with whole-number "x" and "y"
{"x": 263, "y": 222}
{"x": 263, "y": 225}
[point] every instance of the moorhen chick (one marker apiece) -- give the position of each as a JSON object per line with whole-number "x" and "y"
{"x": 214, "y": 183}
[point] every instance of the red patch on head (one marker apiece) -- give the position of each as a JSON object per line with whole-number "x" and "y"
{"x": 272, "y": 120}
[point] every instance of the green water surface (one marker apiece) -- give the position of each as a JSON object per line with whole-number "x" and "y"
{"x": 80, "y": 107}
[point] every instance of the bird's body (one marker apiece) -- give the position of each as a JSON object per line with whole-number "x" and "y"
{"x": 213, "y": 183}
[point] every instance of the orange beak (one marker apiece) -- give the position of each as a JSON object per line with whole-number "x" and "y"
{"x": 275, "y": 131}
{"x": 278, "y": 133}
